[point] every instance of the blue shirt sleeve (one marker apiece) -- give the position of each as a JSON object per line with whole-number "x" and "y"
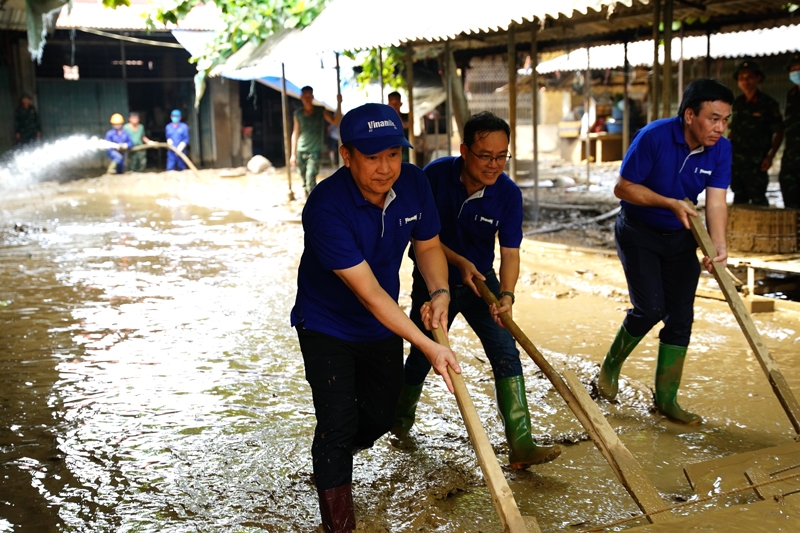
{"x": 509, "y": 234}
{"x": 640, "y": 158}
{"x": 721, "y": 178}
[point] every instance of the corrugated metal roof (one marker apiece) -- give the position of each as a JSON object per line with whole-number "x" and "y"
{"x": 751, "y": 43}
{"x": 92, "y": 14}
{"x": 363, "y": 24}
{"x": 12, "y": 19}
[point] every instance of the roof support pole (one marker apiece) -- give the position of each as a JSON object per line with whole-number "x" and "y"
{"x": 338, "y": 89}
{"x": 666, "y": 92}
{"x": 535, "y": 115}
{"x": 708, "y": 53}
{"x": 626, "y": 119}
{"x": 679, "y": 95}
{"x": 380, "y": 70}
{"x": 512, "y": 101}
{"x": 653, "y": 108}
{"x": 286, "y": 140}
{"x": 587, "y": 102}
{"x": 410, "y": 84}
{"x": 448, "y": 57}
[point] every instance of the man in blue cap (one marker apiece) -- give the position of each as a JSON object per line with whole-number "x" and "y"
{"x": 177, "y": 134}
{"x": 358, "y": 223}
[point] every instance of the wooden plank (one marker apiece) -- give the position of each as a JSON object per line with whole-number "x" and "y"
{"x": 630, "y": 472}
{"x": 756, "y": 476}
{"x": 761, "y": 516}
{"x": 768, "y": 365}
{"x": 753, "y": 304}
{"x": 727, "y": 473}
{"x": 501, "y": 493}
{"x": 622, "y": 463}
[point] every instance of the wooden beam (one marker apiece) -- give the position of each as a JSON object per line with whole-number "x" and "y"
{"x": 502, "y": 496}
{"x": 768, "y": 364}
{"x": 621, "y": 461}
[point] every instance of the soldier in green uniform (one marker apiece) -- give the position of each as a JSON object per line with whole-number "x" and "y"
{"x": 756, "y": 134}
{"x": 789, "y": 176}
{"x": 26, "y": 122}
{"x": 308, "y": 136}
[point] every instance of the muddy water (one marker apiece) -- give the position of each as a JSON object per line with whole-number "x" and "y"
{"x": 149, "y": 380}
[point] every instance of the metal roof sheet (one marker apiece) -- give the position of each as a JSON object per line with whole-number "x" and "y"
{"x": 750, "y": 43}
{"x": 363, "y": 24}
{"x": 92, "y": 14}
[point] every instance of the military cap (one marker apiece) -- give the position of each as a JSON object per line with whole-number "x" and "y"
{"x": 794, "y": 60}
{"x": 748, "y": 64}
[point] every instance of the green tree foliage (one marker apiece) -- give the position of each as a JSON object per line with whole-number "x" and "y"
{"x": 394, "y": 66}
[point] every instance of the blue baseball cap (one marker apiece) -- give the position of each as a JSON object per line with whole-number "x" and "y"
{"x": 372, "y": 128}
{"x": 175, "y": 113}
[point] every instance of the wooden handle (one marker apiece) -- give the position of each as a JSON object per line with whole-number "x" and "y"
{"x": 768, "y": 364}
{"x": 502, "y": 496}
{"x": 621, "y": 461}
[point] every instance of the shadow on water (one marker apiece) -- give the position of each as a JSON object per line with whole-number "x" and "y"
{"x": 150, "y": 381}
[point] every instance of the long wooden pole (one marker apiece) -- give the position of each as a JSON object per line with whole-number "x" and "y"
{"x": 768, "y": 364}
{"x": 653, "y": 108}
{"x": 410, "y": 84}
{"x": 619, "y": 458}
{"x": 287, "y": 148}
{"x": 512, "y": 101}
{"x": 535, "y": 115}
{"x": 448, "y": 57}
{"x": 501, "y": 493}
{"x": 666, "y": 91}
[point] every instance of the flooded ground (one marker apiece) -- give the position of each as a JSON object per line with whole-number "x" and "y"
{"x": 149, "y": 379}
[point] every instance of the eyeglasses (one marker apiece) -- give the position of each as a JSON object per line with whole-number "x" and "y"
{"x": 489, "y": 159}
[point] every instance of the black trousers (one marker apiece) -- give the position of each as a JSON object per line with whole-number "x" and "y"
{"x": 662, "y": 271}
{"x": 355, "y": 387}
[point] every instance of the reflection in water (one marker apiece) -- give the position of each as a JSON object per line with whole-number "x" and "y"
{"x": 150, "y": 382}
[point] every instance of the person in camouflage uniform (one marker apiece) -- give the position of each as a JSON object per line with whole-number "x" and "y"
{"x": 26, "y": 122}
{"x": 789, "y": 176}
{"x": 756, "y": 133}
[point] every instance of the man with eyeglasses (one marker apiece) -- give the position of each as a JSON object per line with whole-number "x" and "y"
{"x": 477, "y": 201}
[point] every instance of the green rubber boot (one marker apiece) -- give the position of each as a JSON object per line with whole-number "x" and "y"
{"x": 668, "y": 379}
{"x": 621, "y": 348}
{"x": 513, "y": 404}
{"x": 405, "y": 410}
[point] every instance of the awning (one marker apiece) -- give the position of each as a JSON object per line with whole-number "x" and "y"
{"x": 262, "y": 63}
{"x": 365, "y": 24}
{"x": 754, "y": 43}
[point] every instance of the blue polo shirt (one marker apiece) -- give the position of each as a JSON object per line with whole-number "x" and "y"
{"x": 660, "y": 159}
{"x": 342, "y": 229}
{"x": 469, "y": 224}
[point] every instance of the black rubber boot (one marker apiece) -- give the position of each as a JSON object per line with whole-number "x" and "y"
{"x": 513, "y": 405}
{"x": 621, "y": 348}
{"x": 668, "y": 379}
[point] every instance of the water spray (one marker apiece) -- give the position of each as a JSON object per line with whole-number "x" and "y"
{"x": 39, "y": 161}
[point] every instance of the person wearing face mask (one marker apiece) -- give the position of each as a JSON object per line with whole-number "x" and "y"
{"x": 789, "y": 176}
{"x": 756, "y": 133}
{"x": 177, "y": 134}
